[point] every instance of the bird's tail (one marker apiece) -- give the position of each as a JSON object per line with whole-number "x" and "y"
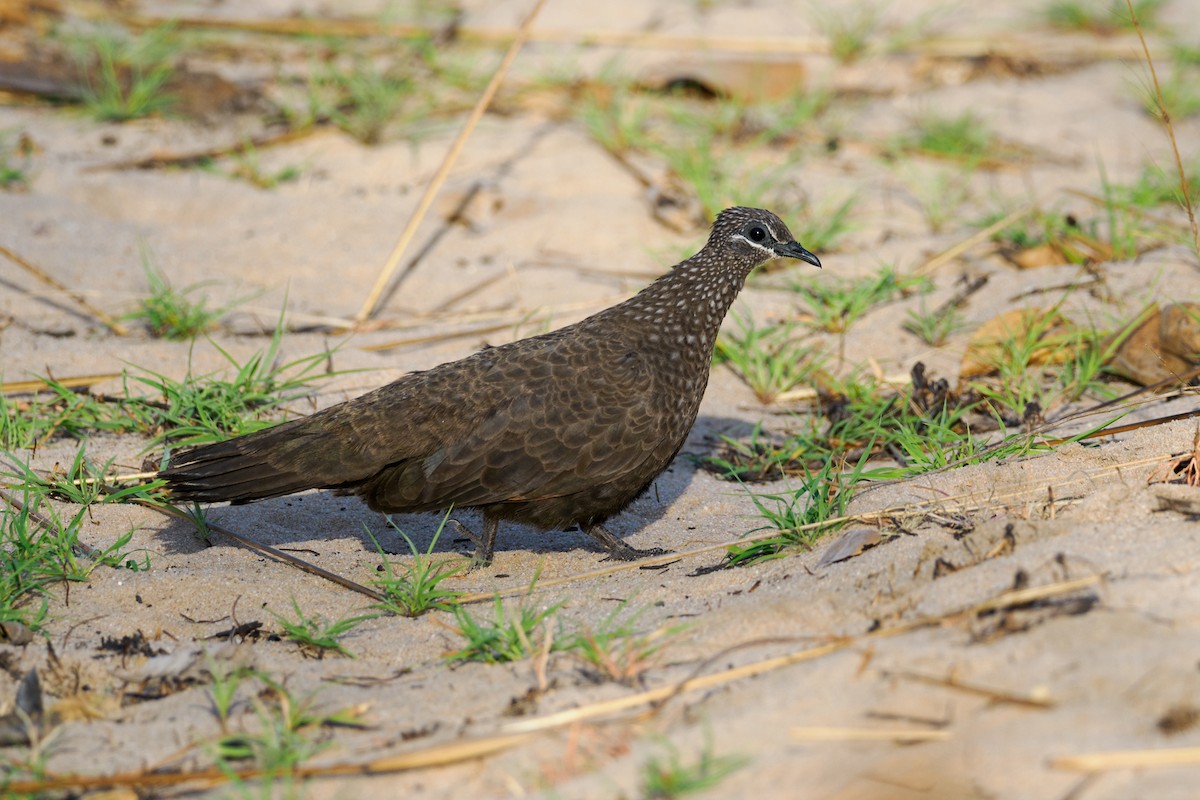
{"x": 251, "y": 467}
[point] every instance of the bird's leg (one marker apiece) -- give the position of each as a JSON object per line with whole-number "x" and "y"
{"x": 617, "y": 549}
{"x": 485, "y": 543}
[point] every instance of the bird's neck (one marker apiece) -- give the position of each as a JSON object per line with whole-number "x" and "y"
{"x": 683, "y": 310}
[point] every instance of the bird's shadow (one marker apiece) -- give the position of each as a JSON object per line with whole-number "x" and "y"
{"x": 303, "y": 523}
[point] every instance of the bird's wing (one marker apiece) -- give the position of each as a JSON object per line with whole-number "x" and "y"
{"x": 341, "y": 446}
{"x": 581, "y": 414}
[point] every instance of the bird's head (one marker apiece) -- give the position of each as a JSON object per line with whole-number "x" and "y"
{"x": 757, "y": 234}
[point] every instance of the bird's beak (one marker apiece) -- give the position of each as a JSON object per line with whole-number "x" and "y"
{"x": 796, "y": 250}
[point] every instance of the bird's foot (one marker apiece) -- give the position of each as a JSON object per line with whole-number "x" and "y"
{"x": 475, "y": 562}
{"x": 485, "y": 543}
{"x": 465, "y": 532}
{"x": 628, "y": 553}
{"x": 617, "y": 549}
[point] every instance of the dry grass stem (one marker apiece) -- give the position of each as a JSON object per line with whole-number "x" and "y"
{"x": 50, "y": 280}
{"x": 663, "y": 693}
{"x": 616, "y": 705}
{"x": 995, "y": 695}
{"x": 74, "y": 382}
{"x": 1128, "y": 759}
{"x": 806, "y": 393}
{"x": 1166, "y": 118}
{"x": 434, "y": 756}
{"x": 431, "y": 190}
{"x": 271, "y": 552}
{"x": 868, "y": 735}
{"x": 1020, "y": 597}
{"x": 976, "y": 238}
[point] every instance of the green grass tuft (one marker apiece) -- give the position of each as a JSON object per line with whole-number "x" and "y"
{"x": 192, "y": 410}
{"x": 669, "y": 777}
{"x": 316, "y": 634}
{"x": 16, "y": 156}
{"x": 1102, "y": 17}
{"x": 771, "y": 360}
{"x": 417, "y": 588}
{"x": 173, "y": 314}
{"x": 836, "y": 305}
{"x": 126, "y": 77}
{"x": 506, "y": 637}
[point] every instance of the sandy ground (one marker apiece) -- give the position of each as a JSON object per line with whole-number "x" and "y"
{"x": 564, "y": 226}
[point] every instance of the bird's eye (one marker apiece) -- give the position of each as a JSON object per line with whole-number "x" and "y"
{"x": 757, "y": 234}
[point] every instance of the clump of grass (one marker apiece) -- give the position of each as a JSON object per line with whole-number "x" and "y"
{"x": 1155, "y": 187}
{"x": 703, "y": 142}
{"x": 849, "y": 27}
{"x": 617, "y": 120}
{"x": 916, "y": 426}
{"x": 822, "y": 228}
{"x": 248, "y": 167}
{"x": 1135, "y": 18}
{"x": 126, "y": 76}
{"x": 285, "y": 733}
{"x": 170, "y": 313}
{"x": 799, "y": 514}
{"x": 366, "y": 98}
{"x": 193, "y": 410}
{"x": 40, "y": 548}
{"x": 16, "y": 154}
{"x": 718, "y": 179}
{"x": 1043, "y": 363}
{"x": 1115, "y": 230}
{"x": 934, "y": 327}
{"x": 942, "y": 196}
{"x": 506, "y": 637}
{"x": 82, "y": 483}
{"x": 758, "y": 457}
{"x": 417, "y": 588}
{"x": 770, "y": 359}
{"x": 836, "y": 305}
{"x": 669, "y": 777}
{"x": 370, "y": 98}
{"x": 202, "y": 409}
{"x": 775, "y": 123}
{"x": 315, "y": 634}
{"x": 616, "y": 651}
{"x": 1102, "y": 18}
{"x": 964, "y": 137}
{"x": 1175, "y": 98}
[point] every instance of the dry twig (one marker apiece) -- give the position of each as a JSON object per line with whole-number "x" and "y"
{"x": 45, "y": 277}
{"x": 431, "y": 190}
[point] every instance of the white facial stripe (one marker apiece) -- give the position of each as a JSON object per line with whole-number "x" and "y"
{"x": 766, "y": 250}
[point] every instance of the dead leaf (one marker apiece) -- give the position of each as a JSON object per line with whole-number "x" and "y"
{"x": 13, "y": 632}
{"x": 987, "y": 346}
{"x": 1180, "y": 330}
{"x": 1165, "y": 345}
{"x": 1042, "y": 255}
{"x": 850, "y": 544}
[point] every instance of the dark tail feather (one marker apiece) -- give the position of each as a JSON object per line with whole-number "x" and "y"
{"x": 239, "y": 470}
